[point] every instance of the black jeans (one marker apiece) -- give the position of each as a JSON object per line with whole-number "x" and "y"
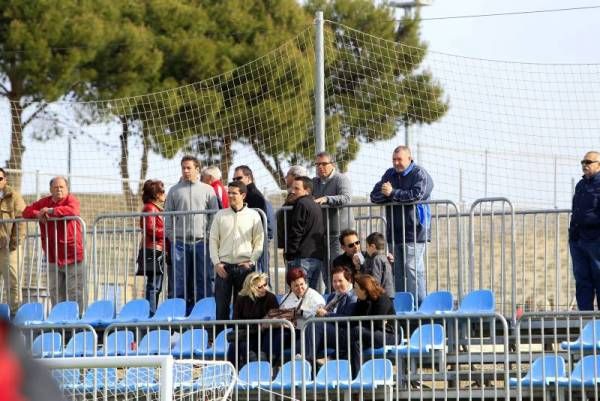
{"x": 225, "y": 288}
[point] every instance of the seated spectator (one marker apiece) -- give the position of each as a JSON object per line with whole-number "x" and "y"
{"x": 211, "y": 175}
{"x": 340, "y": 303}
{"x": 253, "y": 302}
{"x": 372, "y": 301}
{"x": 350, "y": 244}
{"x": 375, "y": 263}
{"x": 306, "y": 300}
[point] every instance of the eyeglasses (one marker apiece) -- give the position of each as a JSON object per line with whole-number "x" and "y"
{"x": 239, "y": 178}
{"x": 353, "y": 244}
{"x": 586, "y": 162}
{"x": 319, "y": 164}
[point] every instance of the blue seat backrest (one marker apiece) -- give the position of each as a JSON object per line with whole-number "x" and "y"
{"x": 285, "y": 374}
{"x": 337, "y": 370}
{"x": 170, "y": 309}
{"x": 83, "y": 343}
{"x": 404, "y": 302}
{"x": 64, "y": 312}
{"x": 588, "y": 368}
{"x": 205, "y": 309}
{"x": 193, "y": 339}
{"x": 5, "y": 311}
{"x": 103, "y": 377}
{"x": 134, "y": 310}
{"x": 428, "y": 335}
{"x": 548, "y": 366}
{"x": 30, "y": 312}
{"x": 478, "y": 301}
{"x": 439, "y": 301}
{"x": 376, "y": 370}
{"x": 591, "y": 332}
{"x": 155, "y": 342}
{"x": 255, "y": 372}
{"x": 118, "y": 343}
{"x": 99, "y": 311}
{"x": 50, "y": 342}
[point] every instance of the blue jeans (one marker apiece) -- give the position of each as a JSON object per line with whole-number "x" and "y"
{"x": 586, "y": 269}
{"x": 311, "y": 266}
{"x": 153, "y": 289}
{"x": 191, "y": 276}
{"x": 409, "y": 269}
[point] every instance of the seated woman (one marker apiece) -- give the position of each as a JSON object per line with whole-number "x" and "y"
{"x": 306, "y": 300}
{"x": 372, "y": 301}
{"x": 253, "y": 302}
{"x": 340, "y": 303}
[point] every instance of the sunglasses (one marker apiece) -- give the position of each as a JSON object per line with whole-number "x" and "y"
{"x": 353, "y": 244}
{"x": 240, "y": 178}
{"x": 587, "y": 162}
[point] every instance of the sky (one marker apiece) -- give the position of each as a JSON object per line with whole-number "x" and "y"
{"x": 490, "y": 68}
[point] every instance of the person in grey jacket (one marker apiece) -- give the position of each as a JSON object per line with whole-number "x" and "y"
{"x": 191, "y": 273}
{"x": 333, "y": 189}
{"x": 376, "y": 263}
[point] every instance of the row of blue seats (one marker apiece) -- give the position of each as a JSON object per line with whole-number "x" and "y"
{"x": 191, "y": 343}
{"x": 550, "y": 370}
{"x": 335, "y": 374}
{"x": 102, "y": 313}
{"x": 477, "y": 301}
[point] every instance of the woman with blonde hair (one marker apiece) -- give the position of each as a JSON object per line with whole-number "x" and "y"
{"x": 253, "y": 302}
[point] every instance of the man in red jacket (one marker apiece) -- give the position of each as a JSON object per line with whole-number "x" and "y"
{"x": 62, "y": 242}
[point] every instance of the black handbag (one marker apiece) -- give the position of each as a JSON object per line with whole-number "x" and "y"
{"x": 151, "y": 264}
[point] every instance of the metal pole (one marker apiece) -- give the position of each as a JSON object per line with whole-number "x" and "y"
{"x": 461, "y": 201}
{"x": 555, "y": 182}
{"x": 407, "y": 138}
{"x": 319, "y": 83}
{"x": 485, "y": 180}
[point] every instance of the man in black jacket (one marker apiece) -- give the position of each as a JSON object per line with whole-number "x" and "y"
{"x": 305, "y": 236}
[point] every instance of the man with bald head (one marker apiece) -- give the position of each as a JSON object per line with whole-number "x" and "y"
{"x": 584, "y": 233}
{"x": 62, "y": 242}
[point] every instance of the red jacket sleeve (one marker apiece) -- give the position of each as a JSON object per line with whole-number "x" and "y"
{"x": 32, "y": 211}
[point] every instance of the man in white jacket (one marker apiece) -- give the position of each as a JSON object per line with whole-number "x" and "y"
{"x": 236, "y": 243}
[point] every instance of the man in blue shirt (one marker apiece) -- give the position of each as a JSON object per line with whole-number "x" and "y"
{"x": 408, "y": 225}
{"x": 584, "y": 233}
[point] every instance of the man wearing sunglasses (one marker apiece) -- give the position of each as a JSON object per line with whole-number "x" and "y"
{"x": 11, "y": 240}
{"x": 584, "y": 233}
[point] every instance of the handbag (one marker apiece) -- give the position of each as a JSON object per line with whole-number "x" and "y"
{"x": 151, "y": 264}
{"x": 289, "y": 314}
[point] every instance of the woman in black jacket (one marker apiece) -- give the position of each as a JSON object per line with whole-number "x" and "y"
{"x": 372, "y": 301}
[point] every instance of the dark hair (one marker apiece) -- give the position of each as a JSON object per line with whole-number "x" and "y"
{"x": 346, "y": 233}
{"x": 324, "y": 154}
{"x": 2, "y": 171}
{"x": 341, "y": 268}
{"x": 294, "y": 274}
{"x": 246, "y": 171}
{"x": 376, "y": 239}
{"x": 306, "y": 182}
{"x": 190, "y": 158}
{"x": 151, "y": 190}
{"x": 239, "y": 185}
{"x": 369, "y": 285}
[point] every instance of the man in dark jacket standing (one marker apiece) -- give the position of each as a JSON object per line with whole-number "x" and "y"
{"x": 584, "y": 233}
{"x": 305, "y": 236}
{"x": 408, "y": 226}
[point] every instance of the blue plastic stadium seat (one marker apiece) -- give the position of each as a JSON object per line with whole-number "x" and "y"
{"x": 331, "y": 375}
{"x": 404, "y": 302}
{"x": 285, "y": 380}
{"x": 133, "y": 311}
{"x": 99, "y": 312}
{"x": 373, "y": 373}
{"x": 437, "y": 302}
{"x": 47, "y": 345}
{"x": 205, "y": 309}
{"x": 68, "y": 380}
{"x": 118, "y": 343}
{"x": 253, "y": 375}
{"x": 83, "y": 343}
{"x": 219, "y": 347}
{"x": 5, "y": 311}
{"x": 423, "y": 340}
{"x": 99, "y": 379}
{"x": 64, "y": 313}
{"x": 169, "y": 310}
{"x": 544, "y": 371}
{"x": 585, "y": 373}
{"x": 29, "y": 313}
{"x": 193, "y": 342}
{"x": 155, "y": 342}
{"x": 589, "y": 339}
{"x": 479, "y": 301}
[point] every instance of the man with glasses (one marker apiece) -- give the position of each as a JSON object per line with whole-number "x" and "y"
{"x": 350, "y": 244}
{"x": 333, "y": 189}
{"x": 408, "y": 226}
{"x": 11, "y": 241}
{"x": 256, "y": 200}
{"x": 584, "y": 233}
{"x": 191, "y": 273}
{"x": 236, "y": 243}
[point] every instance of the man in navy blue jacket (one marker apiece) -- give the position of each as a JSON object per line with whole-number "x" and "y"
{"x": 408, "y": 227}
{"x": 584, "y": 233}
